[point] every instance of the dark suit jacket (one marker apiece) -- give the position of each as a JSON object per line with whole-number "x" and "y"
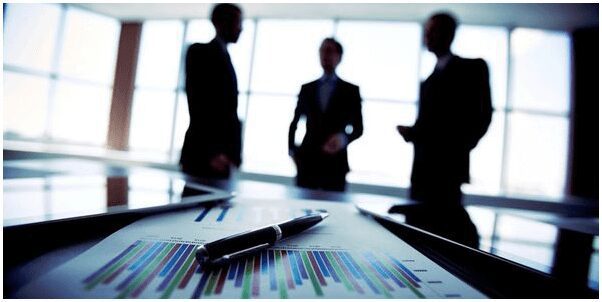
{"x": 344, "y": 108}
{"x": 212, "y": 92}
{"x": 454, "y": 113}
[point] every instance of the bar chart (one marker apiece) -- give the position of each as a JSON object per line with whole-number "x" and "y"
{"x": 347, "y": 256}
{"x": 155, "y": 269}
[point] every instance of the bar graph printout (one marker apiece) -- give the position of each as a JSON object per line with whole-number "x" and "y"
{"x": 348, "y": 255}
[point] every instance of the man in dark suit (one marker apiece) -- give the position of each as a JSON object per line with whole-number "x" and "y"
{"x": 212, "y": 146}
{"x": 454, "y": 113}
{"x": 333, "y": 112}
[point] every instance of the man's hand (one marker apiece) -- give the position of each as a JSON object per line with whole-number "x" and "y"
{"x": 334, "y": 144}
{"x": 220, "y": 163}
{"x": 404, "y": 131}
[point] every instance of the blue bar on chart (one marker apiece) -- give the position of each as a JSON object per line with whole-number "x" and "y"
{"x": 223, "y": 213}
{"x": 204, "y": 213}
{"x": 164, "y": 270}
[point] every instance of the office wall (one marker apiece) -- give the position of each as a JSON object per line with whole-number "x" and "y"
{"x": 584, "y": 176}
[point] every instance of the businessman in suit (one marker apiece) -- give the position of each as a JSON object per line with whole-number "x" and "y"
{"x": 212, "y": 146}
{"x": 333, "y": 112}
{"x": 454, "y": 114}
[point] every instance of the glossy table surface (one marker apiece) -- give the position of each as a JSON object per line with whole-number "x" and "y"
{"x": 561, "y": 245}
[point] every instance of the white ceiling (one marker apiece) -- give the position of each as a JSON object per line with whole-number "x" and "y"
{"x": 539, "y": 15}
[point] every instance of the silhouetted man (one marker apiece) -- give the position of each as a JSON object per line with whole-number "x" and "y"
{"x": 454, "y": 113}
{"x": 212, "y": 145}
{"x": 333, "y": 112}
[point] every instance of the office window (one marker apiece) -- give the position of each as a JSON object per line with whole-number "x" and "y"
{"x": 25, "y": 105}
{"x": 30, "y": 35}
{"x": 486, "y": 160}
{"x": 89, "y": 47}
{"x": 540, "y": 70}
{"x": 266, "y": 135}
{"x": 157, "y": 76}
{"x": 381, "y": 58}
{"x": 537, "y": 155}
{"x": 199, "y": 31}
{"x": 539, "y": 121}
{"x": 81, "y": 113}
{"x": 381, "y": 156}
{"x": 159, "y": 58}
{"x": 151, "y": 125}
{"x": 59, "y": 64}
{"x": 286, "y": 54}
{"x": 82, "y": 99}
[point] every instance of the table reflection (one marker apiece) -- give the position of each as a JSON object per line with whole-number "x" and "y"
{"x": 31, "y": 200}
{"x": 565, "y": 247}
{"x": 449, "y": 221}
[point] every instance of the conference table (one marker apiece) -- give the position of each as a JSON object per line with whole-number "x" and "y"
{"x": 501, "y": 264}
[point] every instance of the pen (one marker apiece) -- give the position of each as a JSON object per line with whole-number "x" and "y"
{"x": 225, "y": 249}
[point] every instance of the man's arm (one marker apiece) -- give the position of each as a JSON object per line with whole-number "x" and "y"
{"x": 483, "y": 108}
{"x": 357, "y": 123}
{"x": 412, "y": 133}
{"x": 299, "y": 111}
{"x": 405, "y": 132}
{"x": 339, "y": 141}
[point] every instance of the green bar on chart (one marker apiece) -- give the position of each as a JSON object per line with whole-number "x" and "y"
{"x": 312, "y": 274}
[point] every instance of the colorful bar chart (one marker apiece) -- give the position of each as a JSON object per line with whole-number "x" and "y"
{"x": 152, "y": 269}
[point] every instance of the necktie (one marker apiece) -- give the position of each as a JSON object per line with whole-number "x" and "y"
{"x": 325, "y": 93}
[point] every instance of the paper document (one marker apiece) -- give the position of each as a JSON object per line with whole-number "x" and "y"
{"x": 348, "y": 255}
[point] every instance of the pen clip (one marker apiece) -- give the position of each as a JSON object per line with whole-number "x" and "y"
{"x": 244, "y": 252}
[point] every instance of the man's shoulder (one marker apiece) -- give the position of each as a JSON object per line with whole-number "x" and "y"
{"x": 203, "y": 47}
{"x": 199, "y": 46}
{"x": 340, "y": 82}
{"x": 310, "y": 84}
{"x": 472, "y": 62}
{"x": 347, "y": 85}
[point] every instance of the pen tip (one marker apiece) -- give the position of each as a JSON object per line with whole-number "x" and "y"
{"x": 324, "y": 215}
